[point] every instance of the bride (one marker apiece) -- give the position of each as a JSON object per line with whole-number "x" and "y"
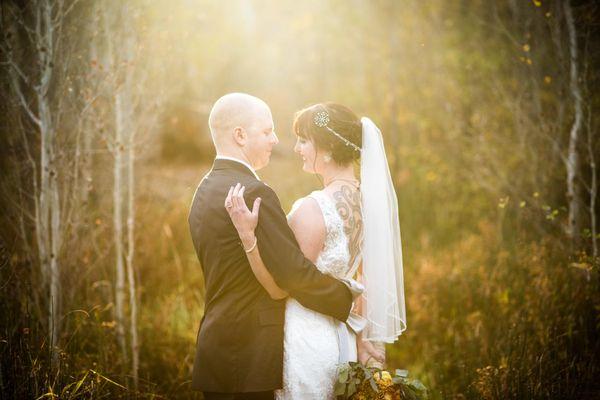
{"x": 349, "y": 229}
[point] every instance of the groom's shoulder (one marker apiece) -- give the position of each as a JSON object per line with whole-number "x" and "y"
{"x": 259, "y": 187}
{"x": 262, "y": 190}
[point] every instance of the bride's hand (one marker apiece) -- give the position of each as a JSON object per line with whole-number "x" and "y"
{"x": 243, "y": 219}
{"x": 367, "y": 352}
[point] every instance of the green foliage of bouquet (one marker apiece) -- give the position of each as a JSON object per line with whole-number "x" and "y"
{"x": 357, "y": 382}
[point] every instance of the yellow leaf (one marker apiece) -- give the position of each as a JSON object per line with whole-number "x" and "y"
{"x": 109, "y": 324}
{"x": 538, "y": 3}
{"x": 584, "y": 266}
{"x": 526, "y": 47}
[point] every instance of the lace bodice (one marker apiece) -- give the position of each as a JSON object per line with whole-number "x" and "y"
{"x": 334, "y": 259}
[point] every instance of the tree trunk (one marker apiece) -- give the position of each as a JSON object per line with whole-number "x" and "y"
{"x": 130, "y": 256}
{"x": 49, "y": 195}
{"x": 117, "y": 150}
{"x": 118, "y": 225}
{"x": 128, "y": 54}
{"x": 593, "y": 186}
{"x": 55, "y": 287}
{"x": 573, "y": 198}
{"x": 88, "y": 122}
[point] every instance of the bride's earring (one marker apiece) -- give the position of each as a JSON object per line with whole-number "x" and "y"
{"x": 327, "y": 157}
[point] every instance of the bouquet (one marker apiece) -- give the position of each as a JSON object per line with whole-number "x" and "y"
{"x": 357, "y": 382}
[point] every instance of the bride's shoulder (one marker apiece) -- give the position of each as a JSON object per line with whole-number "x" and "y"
{"x": 308, "y": 226}
{"x": 304, "y": 205}
{"x": 306, "y": 212}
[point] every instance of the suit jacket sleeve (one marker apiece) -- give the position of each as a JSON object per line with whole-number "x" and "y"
{"x": 292, "y": 271}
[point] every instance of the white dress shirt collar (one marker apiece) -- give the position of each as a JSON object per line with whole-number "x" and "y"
{"x": 239, "y": 161}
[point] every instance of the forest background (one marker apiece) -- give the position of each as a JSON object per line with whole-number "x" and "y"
{"x": 489, "y": 115}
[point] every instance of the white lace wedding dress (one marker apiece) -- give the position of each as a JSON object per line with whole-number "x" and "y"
{"x": 312, "y": 344}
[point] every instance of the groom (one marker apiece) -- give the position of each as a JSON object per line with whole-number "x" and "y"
{"x": 239, "y": 349}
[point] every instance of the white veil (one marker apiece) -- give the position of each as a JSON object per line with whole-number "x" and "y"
{"x": 383, "y": 298}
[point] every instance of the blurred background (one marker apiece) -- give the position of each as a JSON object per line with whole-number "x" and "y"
{"x": 489, "y": 111}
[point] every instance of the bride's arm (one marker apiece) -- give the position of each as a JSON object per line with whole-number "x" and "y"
{"x": 306, "y": 222}
{"x": 262, "y": 274}
{"x": 245, "y": 222}
{"x": 308, "y": 226}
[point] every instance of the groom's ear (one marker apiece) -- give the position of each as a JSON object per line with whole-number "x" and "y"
{"x": 240, "y": 136}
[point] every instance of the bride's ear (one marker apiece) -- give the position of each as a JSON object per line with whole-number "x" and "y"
{"x": 240, "y": 136}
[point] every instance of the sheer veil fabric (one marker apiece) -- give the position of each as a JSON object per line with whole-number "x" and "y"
{"x": 383, "y": 298}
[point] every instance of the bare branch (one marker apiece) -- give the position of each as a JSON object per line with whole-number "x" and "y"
{"x": 63, "y": 13}
{"x": 23, "y": 101}
{"x": 19, "y": 72}
{"x": 30, "y": 32}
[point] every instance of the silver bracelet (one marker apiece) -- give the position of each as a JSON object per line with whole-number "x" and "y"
{"x": 253, "y": 246}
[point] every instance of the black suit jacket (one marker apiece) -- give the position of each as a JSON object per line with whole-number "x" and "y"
{"x": 240, "y": 341}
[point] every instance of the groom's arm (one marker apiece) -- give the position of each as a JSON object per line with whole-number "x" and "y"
{"x": 290, "y": 269}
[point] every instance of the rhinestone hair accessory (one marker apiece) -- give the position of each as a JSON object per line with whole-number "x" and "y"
{"x": 321, "y": 119}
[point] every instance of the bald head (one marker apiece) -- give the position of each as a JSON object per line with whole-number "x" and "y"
{"x": 242, "y": 127}
{"x": 231, "y": 111}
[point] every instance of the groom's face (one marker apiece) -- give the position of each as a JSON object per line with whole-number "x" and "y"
{"x": 261, "y": 139}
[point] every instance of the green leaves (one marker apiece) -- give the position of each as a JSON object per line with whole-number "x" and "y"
{"x": 343, "y": 376}
{"x": 402, "y": 373}
{"x": 355, "y": 379}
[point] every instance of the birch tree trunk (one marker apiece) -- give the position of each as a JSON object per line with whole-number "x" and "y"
{"x": 130, "y": 256}
{"x": 47, "y": 18}
{"x": 574, "y": 221}
{"x": 88, "y": 122}
{"x": 118, "y": 224}
{"x": 45, "y": 31}
{"x": 593, "y": 190}
{"x": 117, "y": 150}
{"x": 129, "y": 54}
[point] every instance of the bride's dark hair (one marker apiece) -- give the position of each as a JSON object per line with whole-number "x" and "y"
{"x": 342, "y": 120}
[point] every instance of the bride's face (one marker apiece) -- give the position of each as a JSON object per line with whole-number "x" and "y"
{"x": 307, "y": 151}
